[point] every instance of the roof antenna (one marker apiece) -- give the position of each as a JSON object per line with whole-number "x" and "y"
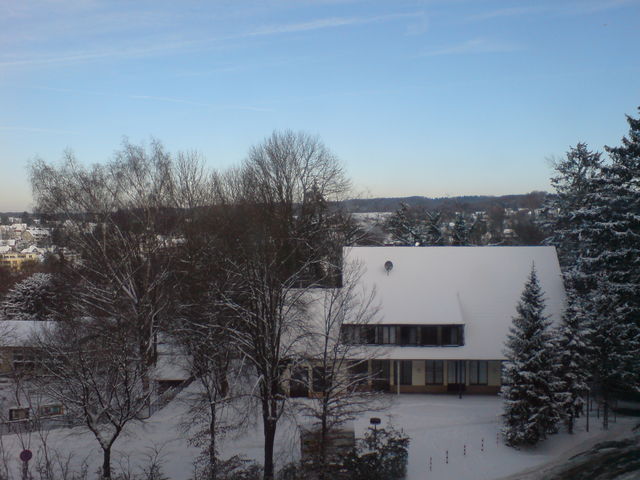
{"x": 388, "y": 266}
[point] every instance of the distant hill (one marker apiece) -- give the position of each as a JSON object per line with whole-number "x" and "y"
{"x": 468, "y": 203}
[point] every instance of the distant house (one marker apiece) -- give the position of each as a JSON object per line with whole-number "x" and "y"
{"x": 446, "y": 312}
{"x": 16, "y": 260}
{"x": 16, "y": 354}
{"x": 35, "y": 234}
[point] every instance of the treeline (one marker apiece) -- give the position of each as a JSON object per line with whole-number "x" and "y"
{"x": 465, "y": 203}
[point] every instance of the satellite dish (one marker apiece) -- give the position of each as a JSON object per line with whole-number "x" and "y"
{"x": 388, "y": 266}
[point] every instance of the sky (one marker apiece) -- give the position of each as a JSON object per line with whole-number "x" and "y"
{"x": 416, "y": 97}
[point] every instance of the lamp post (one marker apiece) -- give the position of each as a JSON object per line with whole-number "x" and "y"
{"x": 375, "y": 421}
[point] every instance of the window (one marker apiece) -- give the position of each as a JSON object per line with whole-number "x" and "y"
{"x": 424, "y": 335}
{"x": 18, "y": 414}
{"x": 359, "y": 371}
{"x": 23, "y": 360}
{"x": 50, "y": 410}
{"x": 351, "y": 334}
{"x": 408, "y": 335}
{"x": 478, "y": 372}
{"x": 434, "y": 372}
{"x": 321, "y": 379}
{"x": 455, "y": 372}
{"x": 386, "y": 335}
{"x": 381, "y": 374}
{"x": 429, "y": 335}
{"x": 368, "y": 335}
{"x": 299, "y": 383}
{"x": 452, "y": 335}
{"x": 406, "y": 372}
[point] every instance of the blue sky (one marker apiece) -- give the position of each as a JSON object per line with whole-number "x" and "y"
{"x": 433, "y": 98}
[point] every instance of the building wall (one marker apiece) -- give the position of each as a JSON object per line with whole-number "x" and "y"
{"x": 417, "y": 372}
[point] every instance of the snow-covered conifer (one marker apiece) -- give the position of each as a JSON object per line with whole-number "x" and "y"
{"x": 530, "y": 408}
{"x": 460, "y": 232}
{"x": 573, "y": 361}
{"x": 407, "y": 226}
{"x": 572, "y": 183}
{"x": 31, "y": 299}
{"x": 607, "y": 268}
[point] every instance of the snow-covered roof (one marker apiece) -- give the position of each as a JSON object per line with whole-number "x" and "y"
{"x": 475, "y": 286}
{"x": 17, "y": 333}
{"x": 33, "y": 249}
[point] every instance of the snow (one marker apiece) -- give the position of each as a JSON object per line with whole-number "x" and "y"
{"x": 475, "y": 286}
{"x": 17, "y": 333}
{"x": 435, "y": 423}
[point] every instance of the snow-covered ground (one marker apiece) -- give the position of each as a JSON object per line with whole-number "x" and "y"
{"x": 437, "y": 425}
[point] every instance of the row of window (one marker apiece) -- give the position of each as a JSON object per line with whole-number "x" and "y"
{"x": 456, "y": 374}
{"x": 22, "y": 413}
{"x": 420, "y": 335}
{"x": 434, "y": 372}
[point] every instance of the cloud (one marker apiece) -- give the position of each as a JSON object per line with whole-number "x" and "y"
{"x": 158, "y": 46}
{"x": 325, "y": 23}
{"x": 474, "y": 46}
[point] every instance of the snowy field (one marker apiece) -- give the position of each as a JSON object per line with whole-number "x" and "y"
{"x": 437, "y": 425}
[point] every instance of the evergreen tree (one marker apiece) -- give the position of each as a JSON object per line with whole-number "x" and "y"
{"x": 607, "y": 267}
{"x": 572, "y": 182}
{"x": 614, "y": 343}
{"x": 435, "y": 235}
{"x": 33, "y": 298}
{"x": 460, "y": 232}
{"x": 572, "y": 361}
{"x": 530, "y": 408}
{"x": 406, "y": 226}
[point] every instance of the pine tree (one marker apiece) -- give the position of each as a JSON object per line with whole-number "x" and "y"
{"x": 460, "y": 232}
{"x": 435, "y": 235}
{"x": 32, "y": 299}
{"x": 530, "y": 408}
{"x": 607, "y": 267}
{"x": 407, "y": 227}
{"x": 573, "y": 357}
{"x": 614, "y": 343}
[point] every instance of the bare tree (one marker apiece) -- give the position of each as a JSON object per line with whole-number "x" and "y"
{"x": 340, "y": 373}
{"x": 216, "y": 408}
{"x": 281, "y": 240}
{"x": 93, "y": 368}
{"x": 125, "y": 219}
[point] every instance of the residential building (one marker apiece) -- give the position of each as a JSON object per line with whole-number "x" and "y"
{"x": 446, "y": 312}
{"x": 16, "y": 260}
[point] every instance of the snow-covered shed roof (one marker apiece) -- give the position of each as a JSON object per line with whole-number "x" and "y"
{"x": 475, "y": 286}
{"x": 17, "y": 333}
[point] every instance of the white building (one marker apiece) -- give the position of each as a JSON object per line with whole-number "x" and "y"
{"x": 446, "y": 312}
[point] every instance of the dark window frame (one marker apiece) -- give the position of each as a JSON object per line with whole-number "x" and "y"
{"x": 437, "y": 371}
{"x": 475, "y": 369}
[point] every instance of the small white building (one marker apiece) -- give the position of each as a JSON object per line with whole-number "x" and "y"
{"x": 446, "y": 311}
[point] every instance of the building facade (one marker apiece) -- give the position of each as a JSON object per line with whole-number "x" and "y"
{"x": 445, "y": 313}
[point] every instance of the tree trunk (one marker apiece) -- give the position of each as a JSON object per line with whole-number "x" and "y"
{"x": 269, "y": 439}
{"x": 323, "y": 442}
{"x": 213, "y": 464}
{"x": 106, "y": 462}
{"x": 570, "y": 422}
